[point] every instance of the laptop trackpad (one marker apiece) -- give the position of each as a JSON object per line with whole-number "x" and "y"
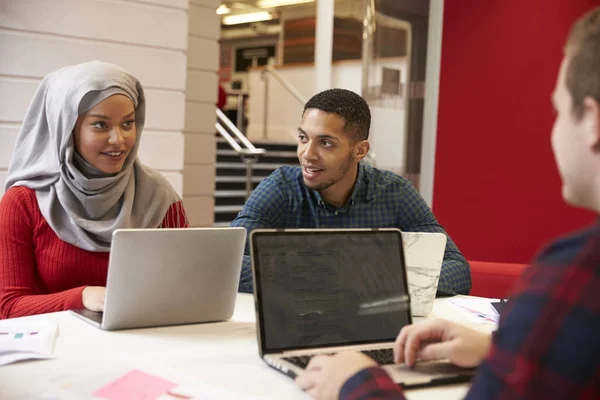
{"x": 429, "y": 373}
{"x": 95, "y": 316}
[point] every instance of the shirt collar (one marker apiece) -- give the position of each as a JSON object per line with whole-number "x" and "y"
{"x": 361, "y": 189}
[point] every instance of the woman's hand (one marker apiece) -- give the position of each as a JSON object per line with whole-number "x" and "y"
{"x": 93, "y": 298}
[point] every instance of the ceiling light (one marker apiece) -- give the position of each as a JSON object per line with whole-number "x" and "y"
{"x": 246, "y": 18}
{"x": 223, "y": 9}
{"x": 279, "y": 3}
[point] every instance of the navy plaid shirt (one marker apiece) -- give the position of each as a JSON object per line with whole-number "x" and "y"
{"x": 547, "y": 345}
{"x": 380, "y": 199}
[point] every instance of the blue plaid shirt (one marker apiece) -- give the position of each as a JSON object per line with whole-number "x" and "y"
{"x": 380, "y": 199}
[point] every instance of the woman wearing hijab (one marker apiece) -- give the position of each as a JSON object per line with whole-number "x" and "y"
{"x": 74, "y": 178}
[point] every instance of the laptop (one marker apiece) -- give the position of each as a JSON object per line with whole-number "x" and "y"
{"x": 323, "y": 291}
{"x": 424, "y": 253}
{"x": 160, "y": 277}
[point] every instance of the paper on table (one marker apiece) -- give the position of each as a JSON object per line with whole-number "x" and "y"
{"x": 480, "y": 310}
{"x": 135, "y": 384}
{"x": 26, "y": 340}
{"x": 114, "y": 381}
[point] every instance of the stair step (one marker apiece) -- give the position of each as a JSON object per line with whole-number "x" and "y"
{"x": 225, "y": 217}
{"x": 261, "y": 160}
{"x": 259, "y": 173}
{"x": 230, "y": 180}
{"x": 241, "y": 165}
{"x": 234, "y": 186}
{"x": 228, "y": 209}
{"x": 274, "y": 153}
{"x": 230, "y": 201}
{"x": 268, "y": 146}
{"x": 221, "y": 224}
{"x": 230, "y": 193}
{"x": 237, "y": 179}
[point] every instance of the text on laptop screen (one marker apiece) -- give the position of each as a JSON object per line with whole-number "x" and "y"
{"x": 330, "y": 288}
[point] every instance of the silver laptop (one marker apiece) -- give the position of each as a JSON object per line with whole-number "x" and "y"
{"x": 424, "y": 253}
{"x": 323, "y": 291}
{"x": 159, "y": 277}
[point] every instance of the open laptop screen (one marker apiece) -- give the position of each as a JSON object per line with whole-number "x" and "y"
{"x": 319, "y": 288}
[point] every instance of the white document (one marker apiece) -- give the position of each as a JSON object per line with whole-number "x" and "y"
{"x": 26, "y": 340}
{"x": 480, "y": 310}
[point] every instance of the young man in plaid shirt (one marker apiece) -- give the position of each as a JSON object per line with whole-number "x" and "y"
{"x": 334, "y": 189}
{"x": 547, "y": 345}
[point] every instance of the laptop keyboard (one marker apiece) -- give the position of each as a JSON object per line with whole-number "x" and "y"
{"x": 381, "y": 356}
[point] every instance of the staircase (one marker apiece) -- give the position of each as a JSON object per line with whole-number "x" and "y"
{"x": 230, "y": 190}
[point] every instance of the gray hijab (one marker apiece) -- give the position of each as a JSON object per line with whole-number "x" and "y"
{"x": 83, "y": 205}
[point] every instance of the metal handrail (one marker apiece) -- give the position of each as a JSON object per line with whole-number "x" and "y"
{"x": 268, "y": 69}
{"x": 294, "y": 92}
{"x": 249, "y": 153}
{"x": 239, "y": 135}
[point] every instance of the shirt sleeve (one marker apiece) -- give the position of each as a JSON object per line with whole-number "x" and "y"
{"x": 416, "y": 216}
{"x": 175, "y": 217}
{"x": 262, "y": 210}
{"x": 547, "y": 344}
{"x": 371, "y": 383}
{"x": 21, "y": 291}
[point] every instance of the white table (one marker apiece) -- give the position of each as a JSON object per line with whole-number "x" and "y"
{"x": 220, "y": 354}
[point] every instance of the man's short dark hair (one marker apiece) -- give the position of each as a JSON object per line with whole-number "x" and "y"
{"x": 583, "y": 52}
{"x": 348, "y": 105}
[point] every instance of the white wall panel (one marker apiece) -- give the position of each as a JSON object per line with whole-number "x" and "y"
{"x": 176, "y": 180}
{"x": 202, "y": 86}
{"x": 8, "y": 136}
{"x": 15, "y": 96}
{"x": 200, "y": 149}
{"x": 109, "y": 20}
{"x": 35, "y": 55}
{"x": 162, "y": 150}
{"x": 2, "y": 180}
{"x": 206, "y": 3}
{"x": 183, "y": 4}
{"x": 165, "y": 110}
{"x": 203, "y": 54}
{"x": 200, "y": 117}
{"x": 203, "y": 23}
{"x": 199, "y": 180}
{"x": 199, "y": 210}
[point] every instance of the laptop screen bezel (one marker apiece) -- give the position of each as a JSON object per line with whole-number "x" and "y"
{"x": 263, "y": 348}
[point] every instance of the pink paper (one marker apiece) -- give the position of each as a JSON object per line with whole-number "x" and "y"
{"x": 135, "y": 385}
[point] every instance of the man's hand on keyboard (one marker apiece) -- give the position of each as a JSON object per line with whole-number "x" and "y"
{"x": 440, "y": 338}
{"x": 325, "y": 375}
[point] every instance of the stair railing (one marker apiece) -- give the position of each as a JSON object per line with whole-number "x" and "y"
{"x": 267, "y": 71}
{"x": 245, "y": 149}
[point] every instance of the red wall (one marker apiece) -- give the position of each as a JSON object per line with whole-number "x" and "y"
{"x": 497, "y": 190}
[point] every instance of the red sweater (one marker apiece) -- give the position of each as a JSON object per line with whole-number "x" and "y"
{"x": 40, "y": 273}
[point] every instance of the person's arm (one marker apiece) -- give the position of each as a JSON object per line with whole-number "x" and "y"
{"x": 263, "y": 209}
{"x": 21, "y": 290}
{"x": 371, "y": 383}
{"x": 416, "y": 216}
{"x": 547, "y": 345}
{"x": 347, "y": 376}
{"x": 175, "y": 217}
{"x": 428, "y": 340}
